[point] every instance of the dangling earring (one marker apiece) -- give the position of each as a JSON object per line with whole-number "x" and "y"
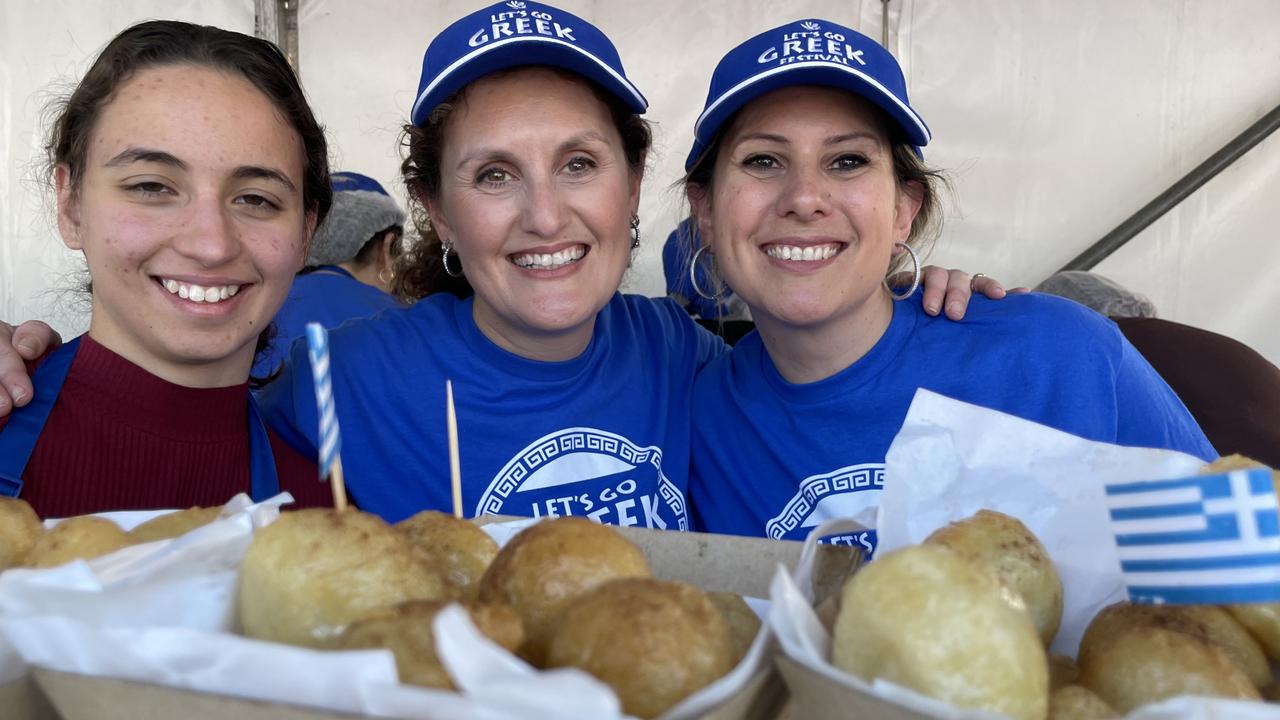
{"x": 386, "y": 276}
{"x": 444, "y": 260}
{"x": 693, "y": 277}
{"x": 635, "y": 231}
{"x": 915, "y": 275}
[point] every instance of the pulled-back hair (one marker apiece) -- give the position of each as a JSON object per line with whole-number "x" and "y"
{"x": 159, "y": 43}
{"x": 420, "y": 270}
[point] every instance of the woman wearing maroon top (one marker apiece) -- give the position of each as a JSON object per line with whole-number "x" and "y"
{"x": 191, "y": 173}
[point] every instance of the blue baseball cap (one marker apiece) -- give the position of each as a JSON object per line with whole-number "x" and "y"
{"x": 806, "y": 52}
{"x": 519, "y": 33}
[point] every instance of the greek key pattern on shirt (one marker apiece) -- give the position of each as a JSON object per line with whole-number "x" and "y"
{"x": 545, "y": 452}
{"x": 814, "y": 488}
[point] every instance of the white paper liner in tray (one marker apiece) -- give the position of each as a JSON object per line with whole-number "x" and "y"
{"x": 162, "y": 613}
{"x": 950, "y": 460}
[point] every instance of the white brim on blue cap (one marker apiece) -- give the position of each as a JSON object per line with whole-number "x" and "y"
{"x": 532, "y": 34}
{"x": 757, "y": 67}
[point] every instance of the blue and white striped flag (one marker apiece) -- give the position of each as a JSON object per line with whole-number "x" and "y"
{"x": 1210, "y": 539}
{"x": 330, "y": 440}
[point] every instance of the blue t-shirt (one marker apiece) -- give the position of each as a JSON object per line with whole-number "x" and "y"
{"x": 773, "y": 458}
{"x": 329, "y": 296}
{"x": 604, "y": 435}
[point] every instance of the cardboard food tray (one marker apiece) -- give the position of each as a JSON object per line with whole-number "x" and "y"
{"x": 815, "y": 696}
{"x": 21, "y": 699}
{"x": 711, "y": 562}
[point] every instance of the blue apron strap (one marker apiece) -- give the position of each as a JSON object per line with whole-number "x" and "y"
{"x": 19, "y": 436}
{"x": 263, "y": 481}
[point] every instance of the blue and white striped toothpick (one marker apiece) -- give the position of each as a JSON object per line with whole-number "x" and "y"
{"x": 1209, "y": 539}
{"x": 330, "y": 439}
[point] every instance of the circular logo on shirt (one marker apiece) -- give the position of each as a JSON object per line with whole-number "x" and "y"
{"x": 589, "y": 473}
{"x": 845, "y": 492}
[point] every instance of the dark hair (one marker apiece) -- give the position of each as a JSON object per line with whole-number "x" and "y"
{"x": 908, "y": 169}
{"x": 420, "y": 270}
{"x": 369, "y": 251}
{"x": 168, "y": 42}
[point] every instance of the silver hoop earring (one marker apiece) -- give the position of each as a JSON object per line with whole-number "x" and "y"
{"x": 635, "y": 231}
{"x": 444, "y": 260}
{"x": 915, "y": 276}
{"x": 693, "y": 278}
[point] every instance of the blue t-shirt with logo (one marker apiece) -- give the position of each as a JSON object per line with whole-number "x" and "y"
{"x": 774, "y": 459}
{"x": 329, "y": 296}
{"x": 604, "y": 435}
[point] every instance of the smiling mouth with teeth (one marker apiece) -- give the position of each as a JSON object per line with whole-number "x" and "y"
{"x": 199, "y": 293}
{"x": 811, "y": 253}
{"x": 549, "y": 261}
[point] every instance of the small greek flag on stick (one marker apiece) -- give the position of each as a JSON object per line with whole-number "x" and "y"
{"x": 1210, "y": 539}
{"x": 330, "y": 439}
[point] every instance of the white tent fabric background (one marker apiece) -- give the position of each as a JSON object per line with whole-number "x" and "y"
{"x": 1055, "y": 119}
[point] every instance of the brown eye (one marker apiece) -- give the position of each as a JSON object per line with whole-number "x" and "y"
{"x": 493, "y": 176}
{"x": 760, "y": 161}
{"x": 149, "y": 188}
{"x": 851, "y": 161}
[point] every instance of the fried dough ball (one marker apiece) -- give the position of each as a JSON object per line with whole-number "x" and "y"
{"x": 1227, "y": 463}
{"x": 457, "y": 550}
{"x": 654, "y": 642}
{"x": 1210, "y": 623}
{"x": 744, "y": 623}
{"x": 1262, "y": 620}
{"x": 20, "y": 528}
{"x": 1144, "y": 663}
{"x": 406, "y": 630}
{"x": 310, "y": 573}
{"x": 1020, "y": 560}
{"x": 931, "y": 619}
{"x": 543, "y": 568}
{"x": 1063, "y": 671}
{"x": 1074, "y": 702}
{"x": 77, "y": 538}
{"x": 172, "y": 525}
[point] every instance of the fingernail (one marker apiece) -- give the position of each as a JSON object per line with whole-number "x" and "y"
{"x": 26, "y": 346}
{"x": 955, "y": 308}
{"x": 931, "y": 308}
{"x": 17, "y": 394}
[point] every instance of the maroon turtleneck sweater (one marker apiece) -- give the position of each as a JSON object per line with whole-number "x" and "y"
{"x": 120, "y": 438}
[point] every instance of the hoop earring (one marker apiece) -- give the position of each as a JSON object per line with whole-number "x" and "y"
{"x": 635, "y": 231}
{"x": 390, "y": 275}
{"x": 693, "y": 278}
{"x": 915, "y": 276}
{"x": 444, "y": 260}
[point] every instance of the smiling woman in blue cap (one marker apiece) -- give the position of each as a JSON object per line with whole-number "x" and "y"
{"x": 807, "y": 180}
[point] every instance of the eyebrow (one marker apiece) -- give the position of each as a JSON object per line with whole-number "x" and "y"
{"x": 150, "y": 155}
{"x": 834, "y": 140}
{"x": 488, "y": 154}
{"x": 264, "y": 173}
{"x": 138, "y": 154}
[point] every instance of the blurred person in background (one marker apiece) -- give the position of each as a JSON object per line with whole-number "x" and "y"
{"x": 350, "y": 267}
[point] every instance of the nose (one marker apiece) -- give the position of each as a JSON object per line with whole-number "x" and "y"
{"x": 208, "y": 235}
{"x": 544, "y": 212}
{"x": 805, "y": 195}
